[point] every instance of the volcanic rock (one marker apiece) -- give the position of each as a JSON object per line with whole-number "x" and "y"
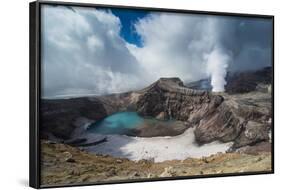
{"x": 252, "y": 133}
{"x": 215, "y": 116}
{"x": 247, "y": 81}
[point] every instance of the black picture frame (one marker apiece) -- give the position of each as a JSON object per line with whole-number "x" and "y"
{"x": 35, "y": 89}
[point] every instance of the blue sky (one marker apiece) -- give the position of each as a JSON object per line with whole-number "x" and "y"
{"x": 128, "y": 18}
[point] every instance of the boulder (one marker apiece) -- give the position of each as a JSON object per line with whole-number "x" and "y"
{"x": 258, "y": 148}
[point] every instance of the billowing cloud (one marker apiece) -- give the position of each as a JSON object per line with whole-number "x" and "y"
{"x": 83, "y": 51}
{"x": 180, "y": 45}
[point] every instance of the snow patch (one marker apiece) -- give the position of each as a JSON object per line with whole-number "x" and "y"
{"x": 156, "y": 148}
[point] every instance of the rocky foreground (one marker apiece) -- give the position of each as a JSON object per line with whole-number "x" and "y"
{"x": 63, "y": 164}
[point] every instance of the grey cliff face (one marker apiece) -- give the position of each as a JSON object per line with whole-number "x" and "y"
{"x": 211, "y": 116}
{"x": 58, "y": 116}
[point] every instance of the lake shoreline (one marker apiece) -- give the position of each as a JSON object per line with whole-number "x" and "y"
{"x": 153, "y": 148}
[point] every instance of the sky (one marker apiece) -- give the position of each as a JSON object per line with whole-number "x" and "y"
{"x": 128, "y": 18}
{"x": 102, "y": 51}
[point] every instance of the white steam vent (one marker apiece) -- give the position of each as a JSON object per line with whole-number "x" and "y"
{"x": 217, "y": 63}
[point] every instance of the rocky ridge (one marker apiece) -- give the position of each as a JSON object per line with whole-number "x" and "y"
{"x": 244, "y": 118}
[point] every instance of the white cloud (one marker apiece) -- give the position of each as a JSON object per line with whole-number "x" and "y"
{"x": 173, "y": 46}
{"x": 84, "y": 53}
{"x": 95, "y": 44}
{"x": 176, "y": 45}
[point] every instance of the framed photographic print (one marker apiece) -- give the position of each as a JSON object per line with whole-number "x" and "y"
{"x": 132, "y": 94}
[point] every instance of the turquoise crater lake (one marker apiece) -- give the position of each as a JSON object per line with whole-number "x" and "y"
{"x": 117, "y": 123}
{"x": 132, "y": 124}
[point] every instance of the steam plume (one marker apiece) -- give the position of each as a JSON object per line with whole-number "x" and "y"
{"x": 217, "y": 63}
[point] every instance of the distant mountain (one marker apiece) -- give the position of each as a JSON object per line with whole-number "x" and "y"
{"x": 239, "y": 82}
{"x": 204, "y": 84}
{"x": 248, "y": 81}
